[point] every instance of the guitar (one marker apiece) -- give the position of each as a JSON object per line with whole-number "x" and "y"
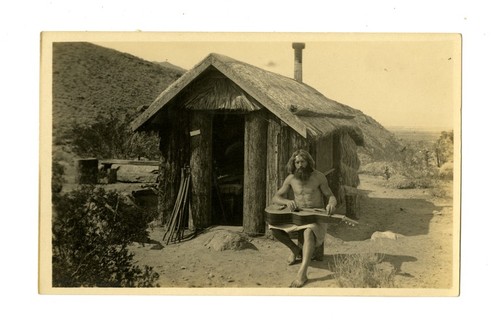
{"x": 276, "y": 215}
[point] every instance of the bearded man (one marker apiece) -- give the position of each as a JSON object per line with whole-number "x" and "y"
{"x": 309, "y": 187}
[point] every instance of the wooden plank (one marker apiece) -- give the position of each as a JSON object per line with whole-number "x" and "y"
{"x": 130, "y": 162}
{"x": 324, "y": 154}
{"x": 334, "y": 179}
{"x": 272, "y": 181}
{"x": 297, "y": 142}
{"x": 284, "y": 153}
{"x": 254, "y": 188}
{"x": 201, "y": 169}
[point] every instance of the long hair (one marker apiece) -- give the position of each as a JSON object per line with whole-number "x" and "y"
{"x": 290, "y": 166}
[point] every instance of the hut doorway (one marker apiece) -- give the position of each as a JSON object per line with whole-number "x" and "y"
{"x": 228, "y": 140}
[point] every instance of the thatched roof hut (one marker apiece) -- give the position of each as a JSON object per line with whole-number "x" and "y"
{"x": 250, "y": 88}
{"x": 222, "y": 102}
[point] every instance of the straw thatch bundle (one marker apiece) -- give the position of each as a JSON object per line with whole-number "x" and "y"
{"x": 349, "y": 152}
{"x": 349, "y": 175}
{"x": 349, "y": 163}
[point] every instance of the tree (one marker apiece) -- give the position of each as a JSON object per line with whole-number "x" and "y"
{"x": 111, "y": 136}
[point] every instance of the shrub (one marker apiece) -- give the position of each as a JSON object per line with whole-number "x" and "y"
{"x": 57, "y": 177}
{"x": 112, "y": 137}
{"x": 361, "y": 271}
{"x": 443, "y": 148}
{"x": 381, "y": 168}
{"x": 446, "y": 171}
{"x": 418, "y": 165}
{"x": 91, "y": 230}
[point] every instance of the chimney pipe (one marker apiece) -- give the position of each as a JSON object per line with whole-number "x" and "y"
{"x": 297, "y": 72}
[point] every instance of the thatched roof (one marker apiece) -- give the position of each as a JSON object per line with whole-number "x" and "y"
{"x": 300, "y": 106}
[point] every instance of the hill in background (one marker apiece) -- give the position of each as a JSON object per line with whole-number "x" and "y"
{"x": 90, "y": 80}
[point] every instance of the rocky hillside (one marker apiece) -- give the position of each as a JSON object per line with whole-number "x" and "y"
{"x": 89, "y": 80}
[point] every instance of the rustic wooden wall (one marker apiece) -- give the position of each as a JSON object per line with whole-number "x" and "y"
{"x": 174, "y": 149}
{"x": 277, "y": 157}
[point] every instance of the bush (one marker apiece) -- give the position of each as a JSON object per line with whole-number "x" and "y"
{"x": 446, "y": 171}
{"x": 381, "y": 168}
{"x": 361, "y": 271}
{"x": 418, "y": 165}
{"x": 57, "y": 177}
{"x": 443, "y": 148}
{"x": 112, "y": 137}
{"x": 91, "y": 230}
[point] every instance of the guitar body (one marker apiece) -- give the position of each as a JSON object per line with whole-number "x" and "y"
{"x": 277, "y": 215}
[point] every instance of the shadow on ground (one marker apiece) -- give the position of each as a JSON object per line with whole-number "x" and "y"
{"x": 409, "y": 217}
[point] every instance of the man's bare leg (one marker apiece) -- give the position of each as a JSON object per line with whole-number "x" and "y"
{"x": 307, "y": 252}
{"x": 284, "y": 238}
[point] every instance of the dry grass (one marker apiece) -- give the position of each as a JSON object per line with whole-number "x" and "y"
{"x": 361, "y": 271}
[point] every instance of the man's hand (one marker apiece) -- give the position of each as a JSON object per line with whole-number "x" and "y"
{"x": 330, "y": 209}
{"x": 291, "y": 205}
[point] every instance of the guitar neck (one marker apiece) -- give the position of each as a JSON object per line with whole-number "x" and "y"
{"x": 322, "y": 213}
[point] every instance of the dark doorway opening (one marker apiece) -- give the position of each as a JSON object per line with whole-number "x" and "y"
{"x": 228, "y": 156}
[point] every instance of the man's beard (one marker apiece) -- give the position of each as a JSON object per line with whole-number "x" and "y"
{"x": 303, "y": 173}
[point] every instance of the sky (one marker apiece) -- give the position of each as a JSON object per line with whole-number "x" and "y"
{"x": 401, "y": 80}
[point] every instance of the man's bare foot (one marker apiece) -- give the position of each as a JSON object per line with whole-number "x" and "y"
{"x": 294, "y": 259}
{"x": 297, "y": 283}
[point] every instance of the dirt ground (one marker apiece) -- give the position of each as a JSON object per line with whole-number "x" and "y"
{"x": 422, "y": 255}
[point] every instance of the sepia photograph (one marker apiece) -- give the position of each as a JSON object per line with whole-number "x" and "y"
{"x": 320, "y": 164}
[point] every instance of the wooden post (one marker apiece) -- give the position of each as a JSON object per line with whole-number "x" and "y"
{"x": 254, "y": 186}
{"x": 201, "y": 169}
{"x": 86, "y": 171}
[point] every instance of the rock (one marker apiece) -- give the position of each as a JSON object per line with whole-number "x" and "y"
{"x": 225, "y": 240}
{"x": 135, "y": 174}
{"x": 386, "y": 235}
{"x": 157, "y": 246}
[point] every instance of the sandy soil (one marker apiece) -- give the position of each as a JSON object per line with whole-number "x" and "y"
{"x": 422, "y": 255}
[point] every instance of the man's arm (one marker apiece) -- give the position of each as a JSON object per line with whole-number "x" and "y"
{"x": 327, "y": 192}
{"x": 279, "y": 196}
